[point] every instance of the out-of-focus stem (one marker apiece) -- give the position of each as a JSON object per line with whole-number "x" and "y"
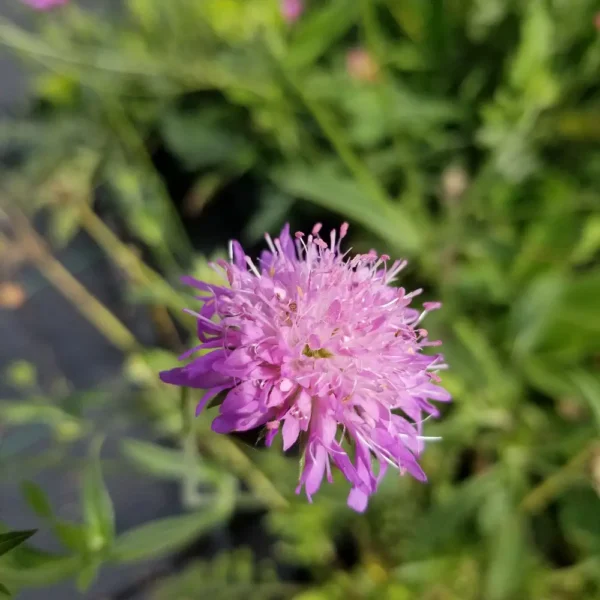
{"x": 138, "y": 271}
{"x": 134, "y": 144}
{"x": 226, "y": 451}
{"x": 548, "y": 489}
{"x": 88, "y": 305}
{"x": 411, "y": 238}
{"x": 190, "y": 496}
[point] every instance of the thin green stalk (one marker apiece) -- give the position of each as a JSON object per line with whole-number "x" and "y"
{"x": 411, "y": 238}
{"x": 18, "y": 39}
{"x": 225, "y": 451}
{"x": 67, "y": 285}
{"x": 134, "y": 144}
{"x": 190, "y": 496}
{"x": 548, "y": 489}
{"x": 136, "y": 269}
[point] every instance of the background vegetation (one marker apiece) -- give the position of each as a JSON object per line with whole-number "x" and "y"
{"x": 460, "y": 134}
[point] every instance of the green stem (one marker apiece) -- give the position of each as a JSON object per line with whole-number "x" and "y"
{"x": 133, "y": 143}
{"x": 67, "y": 285}
{"x": 190, "y": 496}
{"x": 138, "y": 271}
{"x": 548, "y": 489}
{"x": 407, "y": 229}
{"x": 226, "y": 451}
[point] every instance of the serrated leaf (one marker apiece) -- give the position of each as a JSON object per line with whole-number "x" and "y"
{"x": 98, "y": 509}
{"x": 37, "y": 499}
{"x": 12, "y": 539}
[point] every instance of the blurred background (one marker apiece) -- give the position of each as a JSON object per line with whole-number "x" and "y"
{"x": 138, "y": 136}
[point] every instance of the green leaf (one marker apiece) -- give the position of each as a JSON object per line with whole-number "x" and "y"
{"x": 579, "y": 510}
{"x": 160, "y": 537}
{"x": 328, "y": 189}
{"x": 72, "y": 536}
{"x": 37, "y": 499}
{"x": 320, "y": 29}
{"x": 157, "y": 460}
{"x": 87, "y": 574}
{"x": 4, "y": 590}
{"x": 205, "y": 137}
{"x": 26, "y": 566}
{"x": 12, "y": 539}
{"x": 97, "y": 506}
{"x": 589, "y": 387}
{"x": 508, "y": 550}
{"x": 24, "y": 413}
{"x": 64, "y": 225}
{"x": 21, "y": 374}
{"x": 534, "y": 310}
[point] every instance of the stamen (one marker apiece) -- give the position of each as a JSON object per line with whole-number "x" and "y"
{"x": 252, "y": 266}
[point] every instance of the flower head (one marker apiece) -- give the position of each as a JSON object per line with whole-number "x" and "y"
{"x": 319, "y": 346}
{"x": 361, "y": 65}
{"x": 44, "y": 4}
{"x": 292, "y": 10}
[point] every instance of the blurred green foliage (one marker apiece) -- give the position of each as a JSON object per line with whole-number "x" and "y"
{"x": 462, "y": 134}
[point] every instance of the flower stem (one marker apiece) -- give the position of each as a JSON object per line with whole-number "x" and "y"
{"x": 226, "y": 451}
{"x": 190, "y": 496}
{"x": 87, "y": 304}
{"x": 138, "y": 271}
{"x": 548, "y": 489}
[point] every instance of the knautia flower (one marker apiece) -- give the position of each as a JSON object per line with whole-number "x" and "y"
{"x": 45, "y": 4}
{"x": 292, "y": 10}
{"x": 319, "y": 346}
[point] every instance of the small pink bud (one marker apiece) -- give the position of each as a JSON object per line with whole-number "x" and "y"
{"x": 361, "y": 65}
{"x": 44, "y": 4}
{"x": 291, "y": 10}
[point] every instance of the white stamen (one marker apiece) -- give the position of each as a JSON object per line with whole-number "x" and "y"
{"x": 269, "y": 241}
{"x": 252, "y": 266}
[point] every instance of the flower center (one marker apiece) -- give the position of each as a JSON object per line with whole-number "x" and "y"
{"x": 320, "y": 353}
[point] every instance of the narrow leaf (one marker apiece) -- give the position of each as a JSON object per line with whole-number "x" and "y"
{"x": 12, "y": 539}
{"x": 37, "y": 499}
{"x": 97, "y": 506}
{"x": 156, "y": 460}
{"x": 165, "y": 535}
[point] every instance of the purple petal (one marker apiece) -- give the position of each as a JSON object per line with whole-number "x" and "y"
{"x": 209, "y": 395}
{"x": 239, "y": 256}
{"x": 290, "y": 432}
{"x": 358, "y": 500}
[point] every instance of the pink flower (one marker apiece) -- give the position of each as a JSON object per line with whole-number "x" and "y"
{"x": 292, "y": 10}
{"x": 44, "y": 4}
{"x": 361, "y": 65}
{"x": 321, "y": 347}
